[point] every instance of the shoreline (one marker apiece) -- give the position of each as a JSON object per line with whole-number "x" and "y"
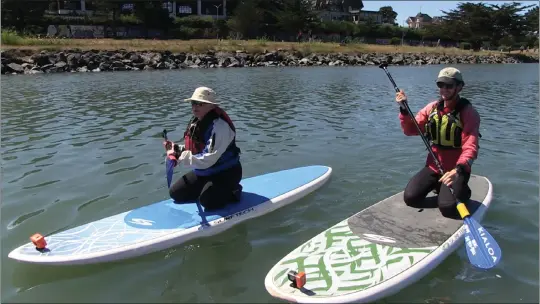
{"x": 131, "y": 55}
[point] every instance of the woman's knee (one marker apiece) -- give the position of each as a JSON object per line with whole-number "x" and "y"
{"x": 211, "y": 200}
{"x": 183, "y": 189}
{"x": 177, "y": 194}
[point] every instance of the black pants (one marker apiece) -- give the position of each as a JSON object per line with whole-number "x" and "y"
{"x": 213, "y": 192}
{"x": 426, "y": 180}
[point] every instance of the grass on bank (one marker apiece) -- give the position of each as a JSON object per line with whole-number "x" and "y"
{"x": 10, "y": 40}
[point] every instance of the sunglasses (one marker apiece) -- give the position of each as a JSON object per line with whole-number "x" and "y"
{"x": 197, "y": 103}
{"x": 441, "y": 85}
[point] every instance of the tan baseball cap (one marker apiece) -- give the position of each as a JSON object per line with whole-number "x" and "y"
{"x": 203, "y": 94}
{"x": 450, "y": 75}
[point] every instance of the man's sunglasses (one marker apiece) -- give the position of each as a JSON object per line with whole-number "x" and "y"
{"x": 441, "y": 85}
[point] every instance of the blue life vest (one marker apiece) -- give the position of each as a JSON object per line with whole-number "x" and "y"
{"x": 198, "y": 134}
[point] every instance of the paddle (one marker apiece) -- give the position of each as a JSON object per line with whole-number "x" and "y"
{"x": 482, "y": 249}
{"x": 170, "y": 162}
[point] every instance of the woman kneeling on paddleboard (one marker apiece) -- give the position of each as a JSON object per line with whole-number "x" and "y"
{"x": 452, "y": 125}
{"x": 210, "y": 149}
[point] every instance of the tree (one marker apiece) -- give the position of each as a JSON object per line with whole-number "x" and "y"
{"x": 19, "y": 14}
{"x": 388, "y": 14}
{"x": 471, "y": 22}
{"x": 104, "y": 6}
{"x": 508, "y": 20}
{"x": 153, "y": 15}
{"x": 477, "y": 22}
{"x": 295, "y": 16}
{"x": 247, "y": 17}
{"x": 435, "y": 32}
{"x": 531, "y": 19}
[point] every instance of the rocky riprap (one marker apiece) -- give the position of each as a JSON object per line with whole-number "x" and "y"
{"x": 18, "y": 61}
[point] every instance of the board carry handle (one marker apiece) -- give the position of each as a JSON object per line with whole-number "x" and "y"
{"x": 298, "y": 279}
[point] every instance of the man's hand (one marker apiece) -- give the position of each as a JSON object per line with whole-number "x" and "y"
{"x": 401, "y": 97}
{"x": 449, "y": 177}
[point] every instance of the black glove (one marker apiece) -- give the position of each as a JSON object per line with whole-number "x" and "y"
{"x": 173, "y": 150}
{"x": 460, "y": 169}
{"x": 403, "y": 109}
{"x": 178, "y": 151}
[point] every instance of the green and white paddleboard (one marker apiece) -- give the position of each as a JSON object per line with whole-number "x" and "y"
{"x": 376, "y": 252}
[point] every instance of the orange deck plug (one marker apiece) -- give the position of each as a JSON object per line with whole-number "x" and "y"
{"x": 39, "y": 241}
{"x": 298, "y": 279}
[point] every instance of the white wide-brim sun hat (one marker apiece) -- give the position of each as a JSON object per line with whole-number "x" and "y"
{"x": 203, "y": 94}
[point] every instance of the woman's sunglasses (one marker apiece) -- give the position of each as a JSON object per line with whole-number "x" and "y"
{"x": 197, "y": 103}
{"x": 441, "y": 85}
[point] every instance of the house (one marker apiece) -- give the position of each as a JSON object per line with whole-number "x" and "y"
{"x": 337, "y": 5}
{"x": 70, "y": 8}
{"x": 419, "y": 21}
{"x": 336, "y": 9}
{"x": 363, "y": 16}
{"x": 211, "y": 8}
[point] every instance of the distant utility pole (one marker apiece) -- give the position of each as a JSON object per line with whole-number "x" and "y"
{"x": 217, "y": 16}
{"x": 403, "y": 32}
{"x": 217, "y": 10}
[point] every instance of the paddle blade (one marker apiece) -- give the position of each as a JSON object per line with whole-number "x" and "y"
{"x": 169, "y": 167}
{"x": 482, "y": 249}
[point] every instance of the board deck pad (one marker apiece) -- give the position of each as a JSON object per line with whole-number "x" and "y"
{"x": 161, "y": 219}
{"x": 369, "y": 248}
{"x": 408, "y": 226}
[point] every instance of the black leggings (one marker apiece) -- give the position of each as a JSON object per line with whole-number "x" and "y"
{"x": 213, "y": 192}
{"x": 427, "y": 180}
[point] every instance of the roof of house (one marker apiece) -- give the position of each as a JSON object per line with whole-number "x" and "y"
{"x": 372, "y": 12}
{"x": 343, "y": 4}
{"x": 425, "y": 17}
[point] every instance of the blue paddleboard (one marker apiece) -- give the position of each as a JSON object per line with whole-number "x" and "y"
{"x": 165, "y": 224}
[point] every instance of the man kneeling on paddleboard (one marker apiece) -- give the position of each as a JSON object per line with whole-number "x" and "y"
{"x": 452, "y": 126}
{"x": 210, "y": 149}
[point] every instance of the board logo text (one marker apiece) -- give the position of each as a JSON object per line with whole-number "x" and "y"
{"x": 143, "y": 222}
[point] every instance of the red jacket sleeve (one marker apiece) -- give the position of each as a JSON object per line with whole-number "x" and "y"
{"x": 407, "y": 124}
{"x": 469, "y": 136}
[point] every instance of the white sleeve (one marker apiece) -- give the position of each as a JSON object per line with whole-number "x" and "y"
{"x": 220, "y": 138}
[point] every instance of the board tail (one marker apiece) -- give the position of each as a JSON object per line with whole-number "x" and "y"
{"x": 482, "y": 249}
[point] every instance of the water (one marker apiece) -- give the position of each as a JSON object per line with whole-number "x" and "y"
{"x": 80, "y": 147}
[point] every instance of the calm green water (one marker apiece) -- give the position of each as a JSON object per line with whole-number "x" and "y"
{"x": 80, "y": 147}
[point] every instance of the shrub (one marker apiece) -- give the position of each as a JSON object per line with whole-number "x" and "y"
{"x": 465, "y": 45}
{"x": 194, "y": 22}
{"x": 10, "y": 37}
{"x": 395, "y": 41}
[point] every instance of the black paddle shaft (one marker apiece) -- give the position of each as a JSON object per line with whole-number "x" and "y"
{"x": 164, "y": 134}
{"x": 428, "y": 146}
